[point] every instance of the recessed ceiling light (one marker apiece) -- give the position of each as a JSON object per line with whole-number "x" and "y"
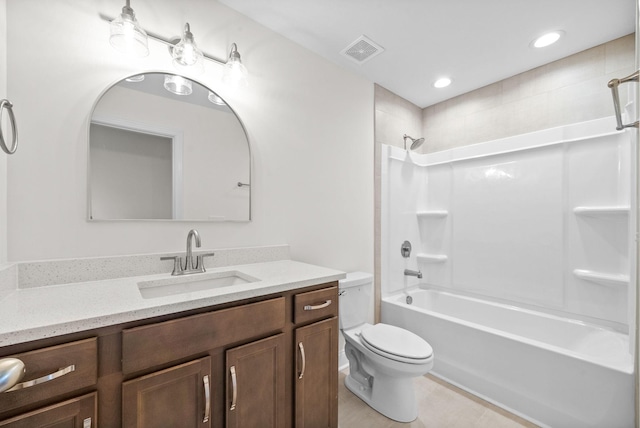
{"x": 547, "y": 39}
{"x": 442, "y": 82}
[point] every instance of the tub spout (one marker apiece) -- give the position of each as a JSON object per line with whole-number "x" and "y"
{"x": 416, "y": 273}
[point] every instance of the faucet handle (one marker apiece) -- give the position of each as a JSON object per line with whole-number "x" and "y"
{"x": 200, "y": 261}
{"x": 177, "y": 264}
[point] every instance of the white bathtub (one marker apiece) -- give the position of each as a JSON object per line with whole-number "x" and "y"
{"x": 553, "y": 371}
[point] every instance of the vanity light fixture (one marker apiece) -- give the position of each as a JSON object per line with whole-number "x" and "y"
{"x": 186, "y": 53}
{"x": 127, "y": 36}
{"x": 177, "y": 84}
{"x": 547, "y": 39}
{"x": 235, "y": 73}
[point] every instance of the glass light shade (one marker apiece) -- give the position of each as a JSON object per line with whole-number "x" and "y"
{"x": 214, "y": 98}
{"x": 235, "y": 73}
{"x": 177, "y": 84}
{"x": 186, "y": 53}
{"x": 127, "y": 36}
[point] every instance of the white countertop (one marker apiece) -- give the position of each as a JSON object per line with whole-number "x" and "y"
{"x": 40, "y": 312}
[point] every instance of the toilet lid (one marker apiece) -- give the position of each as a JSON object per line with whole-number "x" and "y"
{"x": 396, "y": 341}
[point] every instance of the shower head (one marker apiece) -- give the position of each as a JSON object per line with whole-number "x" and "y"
{"x": 415, "y": 142}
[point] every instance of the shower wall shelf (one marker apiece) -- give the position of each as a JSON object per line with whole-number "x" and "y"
{"x": 611, "y": 280}
{"x": 596, "y": 211}
{"x": 432, "y": 214}
{"x": 432, "y": 258}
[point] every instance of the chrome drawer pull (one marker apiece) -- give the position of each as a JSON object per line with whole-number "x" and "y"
{"x": 304, "y": 358}
{"x": 43, "y": 379}
{"x": 207, "y": 399}
{"x": 321, "y": 306}
{"x": 234, "y": 386}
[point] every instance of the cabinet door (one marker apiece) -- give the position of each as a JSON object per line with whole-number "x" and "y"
{"x": 316, "y": 377}
{"x": 75, "y": 413}
{"x": 176, "y": 397}
{"x": 256, "y": 384}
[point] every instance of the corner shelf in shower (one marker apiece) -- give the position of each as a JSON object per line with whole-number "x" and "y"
{"x": 432, "y": 214}
{"x": 431, "y": 258}
{"x": 608, "y": 279}
{"x": 601, "y": 211}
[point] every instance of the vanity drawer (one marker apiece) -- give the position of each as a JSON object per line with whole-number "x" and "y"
{"x": 314, "y": 305}
{"x": 157, "y": 344}
{"x": 52, "y": 372}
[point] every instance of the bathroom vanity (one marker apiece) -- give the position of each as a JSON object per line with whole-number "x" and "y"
{"x": 257, "y": 354}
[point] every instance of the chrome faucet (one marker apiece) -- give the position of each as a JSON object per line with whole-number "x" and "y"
{"x": 188, "y": 267}
{"x": 416, "y": 273}
{"x": 189, "y": 258}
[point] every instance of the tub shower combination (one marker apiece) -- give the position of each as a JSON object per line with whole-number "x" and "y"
{"x": 526, "y": 263}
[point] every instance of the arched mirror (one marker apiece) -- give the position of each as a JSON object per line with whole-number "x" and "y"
{"x": 164, "y": 147}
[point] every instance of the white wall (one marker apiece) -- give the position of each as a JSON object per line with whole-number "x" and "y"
{"x": 3, "y": 157}
{"x": 310, "y": 124}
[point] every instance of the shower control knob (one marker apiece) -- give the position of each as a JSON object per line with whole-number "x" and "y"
{"x": 405, "y": 249}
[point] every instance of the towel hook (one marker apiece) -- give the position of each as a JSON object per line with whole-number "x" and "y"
{"x": 6, "y": 104}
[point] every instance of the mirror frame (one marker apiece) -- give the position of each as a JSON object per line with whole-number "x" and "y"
{"x": 89, "y": 217}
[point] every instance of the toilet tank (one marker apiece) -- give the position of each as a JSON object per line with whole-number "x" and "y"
{"x": 355, "y": 299}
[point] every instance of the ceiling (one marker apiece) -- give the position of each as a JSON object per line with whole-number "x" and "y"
{"x": 474, "y": 42}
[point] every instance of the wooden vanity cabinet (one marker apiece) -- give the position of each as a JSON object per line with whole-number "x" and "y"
{"x": 316, "y": 363}
{"x": 176, "y": 397}
{"x": 234, "y": 365}
{"x": 79, "y": 412}
{"x": 255, "y": 384}
{"x": 53, "y": 375}
{"x": 316, "y": 386}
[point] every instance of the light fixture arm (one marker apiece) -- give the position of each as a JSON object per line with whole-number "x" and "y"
{"x": 188, "y": 35}
{"x": 169, "y": 43}
{"x": 234, "y": 52}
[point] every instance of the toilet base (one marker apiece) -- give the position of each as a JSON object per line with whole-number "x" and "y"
{"x": 390, "y": 396}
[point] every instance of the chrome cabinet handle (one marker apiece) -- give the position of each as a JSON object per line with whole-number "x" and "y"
{"x": 43, "y": 379}
{"x": 304, "y": 359}
{"x": 613, "y": 85}
{"x": 234, "y": 386}
{"x": 321, "y": 306}
{"x": 207, "y": 399}
{"x": 11, "y": 372}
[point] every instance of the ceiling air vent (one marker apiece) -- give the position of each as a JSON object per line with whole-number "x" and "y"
{"x": 362, "y": 50}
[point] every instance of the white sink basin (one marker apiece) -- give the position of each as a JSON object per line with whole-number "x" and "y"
{"x": 191, "y": 283}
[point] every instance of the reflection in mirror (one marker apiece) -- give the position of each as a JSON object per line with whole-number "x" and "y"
{"x": 164, "y": 147}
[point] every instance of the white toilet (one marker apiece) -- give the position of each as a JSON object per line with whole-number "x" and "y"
{"x": 383, "y": 359}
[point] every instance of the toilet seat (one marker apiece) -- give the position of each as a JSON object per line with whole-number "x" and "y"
{"x": 396, "y": 343}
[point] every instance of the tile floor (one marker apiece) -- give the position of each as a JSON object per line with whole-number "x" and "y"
{"x": 440, "y": 405}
